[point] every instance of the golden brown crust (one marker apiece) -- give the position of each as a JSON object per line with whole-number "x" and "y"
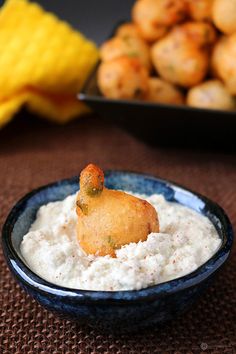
{"x": 182, "y": 57}
{"x": 200, "y": 10}
{"x": 124, "y": 78}
{"x": 210, "y": 94}
{"x": 110, "y": 219}
{"x": 163, "y": 92}
{"x": 92, "y": 180}
{"x": 224, "y": 15}
{"x": 223, "y": 62}
{"x": 154, "y": 17}
{"x": 130, "y": 46}
{"x": 128, "y": 30}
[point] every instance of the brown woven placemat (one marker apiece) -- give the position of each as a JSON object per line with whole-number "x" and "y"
{"x": 33, "y": 153}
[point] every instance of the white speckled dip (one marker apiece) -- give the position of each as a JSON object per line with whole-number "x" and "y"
{"x": 120, "y": 311}
{"x": 186, "y": 240}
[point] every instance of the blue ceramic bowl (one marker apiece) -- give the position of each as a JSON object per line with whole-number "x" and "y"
{"x": 122, "y": 310}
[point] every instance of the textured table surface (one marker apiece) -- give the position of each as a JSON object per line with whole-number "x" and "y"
{"x": 34, "y": 153}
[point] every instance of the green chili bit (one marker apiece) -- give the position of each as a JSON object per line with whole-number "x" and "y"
{"x": 170, "y": 68}
{"x": 111, "y": 242}
{"x": 133, "y": 54}
{"x": 93, "y": 191}
{"x": 82, "y": 206}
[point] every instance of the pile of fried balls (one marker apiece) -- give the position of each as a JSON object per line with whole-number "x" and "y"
{"x": 173, "y": 52}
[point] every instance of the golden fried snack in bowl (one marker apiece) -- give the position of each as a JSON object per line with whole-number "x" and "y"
{"x": 217, "y": 55}
{"x": 128, "y": 29}
{"x": 182, "y": 57}
{"x": 132, "y": 46}
{"x": 223, "y": 61}
{"x": 124, "y": 78}
{"x": 202, "y": 34}
{"x": 153, "y": 17}
{"x": 210, "y": 94}
{"x": 180, "y": 63}
{"x": 163, "y": 92}
{"x": 109, "y": 219}
{"x": 200, "y": 10}
{"x": 224, "y": 15}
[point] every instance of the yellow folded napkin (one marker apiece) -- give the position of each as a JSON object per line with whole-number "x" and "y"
{"x": 43, "y": 63}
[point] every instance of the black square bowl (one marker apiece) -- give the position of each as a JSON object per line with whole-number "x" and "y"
{"x": 161, "y": 123}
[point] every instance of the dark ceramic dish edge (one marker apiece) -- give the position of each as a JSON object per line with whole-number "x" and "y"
{"x": 33, "y": 280}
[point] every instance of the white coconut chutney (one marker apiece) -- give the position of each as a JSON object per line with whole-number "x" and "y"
{"x": 186, "y": 241}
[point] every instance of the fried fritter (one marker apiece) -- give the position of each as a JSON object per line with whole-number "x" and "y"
{"x": 224, "y": 15}
{"x": 109, "y": 219}
{"x": 128, "y": 29}
{"x": 182, "y": 57}
{"x": 154, "y": 17}
{"x": 124, "y": 78}
{"x": 202, "y": 34}
{"x": 163, "y": 92}
{"x": 223, "y": 61}
{"x": 200, "y": 10}
{"x": 210, "y": 94}
{"x": 131, "y": 46}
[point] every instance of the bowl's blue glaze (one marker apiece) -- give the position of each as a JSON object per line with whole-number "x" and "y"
{"x": 123, "y": 310}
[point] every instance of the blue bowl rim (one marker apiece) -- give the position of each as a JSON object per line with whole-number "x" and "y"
{"x": 32, "y": 280}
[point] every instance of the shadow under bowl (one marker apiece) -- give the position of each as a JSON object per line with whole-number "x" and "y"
{"x": 117, "y": 310}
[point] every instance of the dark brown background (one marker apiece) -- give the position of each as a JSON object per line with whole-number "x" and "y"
{"x": 34, "y": 152}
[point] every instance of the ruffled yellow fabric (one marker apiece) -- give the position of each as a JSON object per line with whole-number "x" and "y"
{"x": 43, "y": 63}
